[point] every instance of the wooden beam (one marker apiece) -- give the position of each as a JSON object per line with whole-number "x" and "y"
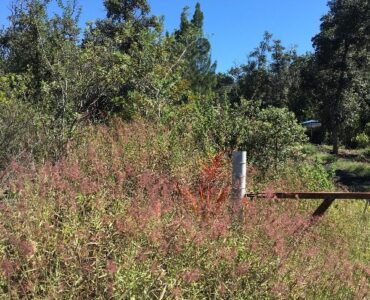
{"x": 329, "y": 198}
{"x": 324, "y": 206}
{"x": 312, "y": 195}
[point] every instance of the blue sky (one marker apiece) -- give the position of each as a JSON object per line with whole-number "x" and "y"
{"x": 234, "y": 27}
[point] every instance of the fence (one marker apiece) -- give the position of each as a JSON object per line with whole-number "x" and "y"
{"x": 240, "y": 188}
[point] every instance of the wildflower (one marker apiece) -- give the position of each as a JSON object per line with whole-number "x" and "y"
{"x": 27, "y": 248}
{"x": 157, "y": 209}
{"x": 242, "y": 269}
{"x": 111, "y": 267}
{"x": 146, "y": 179}
{"x": 219, "y": 228}
{"x": 191, "y": 276}
{"x": 88, "y": 187}
{"x": 7, "y": 267}
{"x": 200, "y": 238}
{"x": 228, "y": 255}
{"x": 176, "y": 292}
{"x": 222, "y": 289}
{"x": 73, "y": 172}
{"x": 120, "y": 177}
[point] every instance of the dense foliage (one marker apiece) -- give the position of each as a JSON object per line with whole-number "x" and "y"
{"x": 123, "y": 66}
{"x": 115, "y": 144}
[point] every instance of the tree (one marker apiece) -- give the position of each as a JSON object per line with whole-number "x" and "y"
{"x": 146, "y": 64}
{"x": 283, "y": 77}
{"x": 126, "y": 10}
{"x": 45, "y": 50}
{"x": 123, "y": 15}
{"x": 342, "y": 56}
{"x": 302, "y": 98}
{"x": 269, "y": 74}
{"x": 22, "y": 43}
{"x": 200, "y": 71}
{"x": 18, "y": 119}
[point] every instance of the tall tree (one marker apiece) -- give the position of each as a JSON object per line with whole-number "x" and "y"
{"x": 268, "y": 75}
{"x": 126, "y": 10}
{"x": 123, "y": 16}
{"x": 33, "y": 41}
{"x": 302, "y": 95}
{"x": 43, "y": 50}
{"x": 196, "y": 48}
{"x": 23, "y": 42}
{"x": 145, "y": 65}
{"x": 342, "y": 55}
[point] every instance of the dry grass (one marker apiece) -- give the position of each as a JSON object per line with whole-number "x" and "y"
{"x": 109, "y": 221}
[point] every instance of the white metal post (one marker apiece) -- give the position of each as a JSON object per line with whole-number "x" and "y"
{"x": 239, "y": 179}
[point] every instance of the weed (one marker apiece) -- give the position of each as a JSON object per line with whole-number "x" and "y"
{"x": 108, "y": 221}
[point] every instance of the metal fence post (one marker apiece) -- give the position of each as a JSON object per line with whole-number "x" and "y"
{"x": 239, "y": 178}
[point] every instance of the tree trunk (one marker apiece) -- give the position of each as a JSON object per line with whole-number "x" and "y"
{"x": 338, "y": 99}
{"x": 335, "y": 140}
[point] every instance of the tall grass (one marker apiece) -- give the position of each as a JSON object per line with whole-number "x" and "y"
{"x": 130, "y": 213}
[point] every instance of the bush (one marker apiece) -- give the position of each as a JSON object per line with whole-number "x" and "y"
{"x": 17, "y": 119}
{"x": 26, "y": 128}
{"x": 275, "y": 138}
{"x": 271, "y": 136}
{"x": 362, "y": 140}
{"x": 367, "y": 152}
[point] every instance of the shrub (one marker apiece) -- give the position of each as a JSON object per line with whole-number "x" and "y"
{"x": 29, "y": 128}
{"x": 275, "y": 138}
{"x": 18, "y": 120}
{"x": 272, "y": 136}
{"x": 367, "y": 152}
{"x": 367, "y": 128}
{"x": 362, "y": 140}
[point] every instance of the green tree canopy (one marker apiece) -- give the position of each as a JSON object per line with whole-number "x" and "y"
{"x": 200, "y": 71}
{"x": 343, "y": 60}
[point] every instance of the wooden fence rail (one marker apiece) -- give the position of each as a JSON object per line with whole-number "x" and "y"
{"x": 329, "y": 198}
{"x": 239, "y": 176}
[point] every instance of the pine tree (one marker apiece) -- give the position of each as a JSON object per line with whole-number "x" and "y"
{"x": 200, "y": 71}
{"x": 198, "y": 18}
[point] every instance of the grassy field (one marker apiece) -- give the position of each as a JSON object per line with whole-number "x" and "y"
{"x": 351, "y": 167}
{"x": 111, "y": 222}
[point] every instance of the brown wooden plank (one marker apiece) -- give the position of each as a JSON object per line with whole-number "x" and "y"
{"x": 324, "y": 206}
{"x": 312, "y": 195}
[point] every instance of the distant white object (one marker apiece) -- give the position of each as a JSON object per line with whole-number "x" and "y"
{"x": 311, "y": 124}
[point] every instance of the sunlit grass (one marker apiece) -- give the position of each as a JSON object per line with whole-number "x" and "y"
{"x": 357, "y": 168}
{"x": 112, "y": 222}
